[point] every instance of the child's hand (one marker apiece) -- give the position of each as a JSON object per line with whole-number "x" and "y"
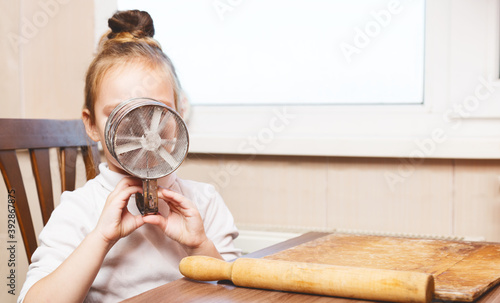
{"x": 183, "y": 224}
{"x": 116, "y": 221}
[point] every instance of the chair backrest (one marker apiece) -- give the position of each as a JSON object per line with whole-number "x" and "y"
{"x": 38, "y": 136}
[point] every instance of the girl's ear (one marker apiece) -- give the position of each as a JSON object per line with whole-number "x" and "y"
{"x": 90, "y": 128}
{"x": 185, "y": 108}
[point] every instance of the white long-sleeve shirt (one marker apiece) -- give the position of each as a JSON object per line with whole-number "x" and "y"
{"x": 141, "y": 261}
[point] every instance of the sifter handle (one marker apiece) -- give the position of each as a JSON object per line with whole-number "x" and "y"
{"x": 148, "y": 205}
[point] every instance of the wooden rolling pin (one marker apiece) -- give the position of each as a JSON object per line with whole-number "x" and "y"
{"x": 321, "y": 279}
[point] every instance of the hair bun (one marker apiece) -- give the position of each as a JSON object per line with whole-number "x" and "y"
{"x": 138, "y": 23}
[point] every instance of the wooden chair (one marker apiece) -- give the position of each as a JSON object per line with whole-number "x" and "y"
{"x": 37, "y": 136}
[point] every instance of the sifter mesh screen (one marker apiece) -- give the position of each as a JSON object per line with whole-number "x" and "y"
{"x": 149, "y": 141}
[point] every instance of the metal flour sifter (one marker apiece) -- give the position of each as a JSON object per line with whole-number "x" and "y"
{"x": 150, "y": 141}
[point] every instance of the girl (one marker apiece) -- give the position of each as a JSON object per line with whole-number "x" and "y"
{"x": 96, "y": 246}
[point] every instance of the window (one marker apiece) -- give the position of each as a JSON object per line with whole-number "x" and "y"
{"x": 293, "y": 52}
{"x": 287, "y": 100}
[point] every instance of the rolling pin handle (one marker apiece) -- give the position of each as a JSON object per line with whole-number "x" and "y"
{"x": 203, "y": 268}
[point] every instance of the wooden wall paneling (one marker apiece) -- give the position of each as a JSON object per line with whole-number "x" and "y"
{"x": 477, "y": 198}
{"x": 10, "y": 85}
{"x": 55, "y": 57}
{"x": 361, "y": 197}
{"x": 266, "y": 190}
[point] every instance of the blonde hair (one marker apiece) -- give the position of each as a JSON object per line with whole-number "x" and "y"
{"x": 129, "y": 40}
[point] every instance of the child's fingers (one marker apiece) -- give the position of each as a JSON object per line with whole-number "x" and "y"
{"x": 177, "y": 199}
{"x": 183, "y": 224}
{"x": 126, "y": 182}
{"x": 120, "y": 199}
{"x": 124, "y": 189}
{"x": 116, "y": 221}
{"x": 137, "y": 220}
{"x": 127, "y": 192}
{"x": 158, "y": 220}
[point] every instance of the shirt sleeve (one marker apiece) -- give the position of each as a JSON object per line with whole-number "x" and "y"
{"x": 68, "y": 225}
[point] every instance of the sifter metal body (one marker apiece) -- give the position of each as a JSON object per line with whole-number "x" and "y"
{"x": 149, "y": 140}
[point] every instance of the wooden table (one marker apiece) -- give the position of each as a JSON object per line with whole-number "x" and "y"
{"x": 189, "y": 291}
